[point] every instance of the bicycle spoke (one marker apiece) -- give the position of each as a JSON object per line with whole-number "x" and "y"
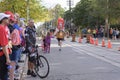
{"x": 43, "y": 67}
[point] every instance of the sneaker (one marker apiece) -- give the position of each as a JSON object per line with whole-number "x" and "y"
{"x": 59, "y": 49}
{"x": 33, "y": 74}
{"x": 20, "y": 61}
{"x": 17, "y": 67}
{"x": 16, "y": 79}
{"x": 16, "y": 75}
{"x": 28, "y": 72}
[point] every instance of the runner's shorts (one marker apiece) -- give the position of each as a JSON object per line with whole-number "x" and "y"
{"x": 60, "y": 39}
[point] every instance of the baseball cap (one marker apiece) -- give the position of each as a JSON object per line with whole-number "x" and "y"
{"x": 11, "y": 15}
{"x": 3, "y": 15}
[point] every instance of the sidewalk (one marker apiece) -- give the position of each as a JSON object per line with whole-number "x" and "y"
{"x": 19, "y": 75}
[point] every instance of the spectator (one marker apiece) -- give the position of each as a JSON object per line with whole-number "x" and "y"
{"x": 30, "y": 35}
{"x": 114, "y": 34}
{"x": 47, "y": 42}
{"x": 94, "y": 33}
{"x": 117, "y": 33}
{"x": 97, "y": 32}
{"x": 89, "y": 31}
{"x": 4, "y": 52}
{"x": 102, "y": 32}
{"x": 44, "y": 45}
{"x": 111, "y": 33}
{"x": 15, "y": 38}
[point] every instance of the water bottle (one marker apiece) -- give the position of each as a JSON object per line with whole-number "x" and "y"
{"x": 9, "y": 67}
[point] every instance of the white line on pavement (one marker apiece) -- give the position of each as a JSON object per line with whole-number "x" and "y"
{"x": 96, "y": 56}
{"x": 53, "y": 64}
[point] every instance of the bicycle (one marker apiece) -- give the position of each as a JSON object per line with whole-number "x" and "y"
{"x": 41, "y": 63}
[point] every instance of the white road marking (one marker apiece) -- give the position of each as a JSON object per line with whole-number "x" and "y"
{"x": 54, "y": 64}
{"x": 101, "y": 68}
{"x": 98, "y": 57}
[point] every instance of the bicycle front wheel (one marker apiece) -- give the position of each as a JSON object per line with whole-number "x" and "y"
{"x": 42, "y": 68}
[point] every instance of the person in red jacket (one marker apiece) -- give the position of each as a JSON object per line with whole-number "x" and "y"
{"x": 4, "y": 52}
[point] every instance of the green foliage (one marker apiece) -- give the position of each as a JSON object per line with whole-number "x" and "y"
{"x": 37, "y": 11}
{"x": 95, "y": 12}
{"x": 56, "y": 12}
{"x": 67, "y": 15}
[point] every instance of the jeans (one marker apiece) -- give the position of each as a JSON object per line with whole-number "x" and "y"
{"x": 19, "y": 55}
{"x": 15, "y": 55}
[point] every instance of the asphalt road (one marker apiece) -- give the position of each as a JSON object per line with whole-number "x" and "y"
{"x": 80, "y": 62}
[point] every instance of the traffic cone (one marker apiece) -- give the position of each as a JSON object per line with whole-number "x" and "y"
{"x": 103, "y": 43}
{"x": 109, "y": 44}
{"x": 80, "y": 40}
{"x": 96, "y": 42}
{"x": 93, "y": 41}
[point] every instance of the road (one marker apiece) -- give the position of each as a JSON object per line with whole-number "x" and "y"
{"x": 79, "y": 61}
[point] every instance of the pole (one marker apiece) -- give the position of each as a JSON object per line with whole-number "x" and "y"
{"x": 28, "y": 10}
{"x": 70, "y": 13}
{"x": 107, "y": 22}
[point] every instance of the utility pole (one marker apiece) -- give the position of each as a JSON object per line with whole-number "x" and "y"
{"x": 70, "y": 12}
{"x": 28, "y": 8}
{"x": 106, "y": 20}
{"x": 70, "y": 3}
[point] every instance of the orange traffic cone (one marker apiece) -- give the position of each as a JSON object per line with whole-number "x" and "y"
{"x": 103, "y": 43}
{"x": 93, "y": 41}
{"x": 80, "y": 40}
{"x": 96, "y": 42}
{"x": 109, "y": 44}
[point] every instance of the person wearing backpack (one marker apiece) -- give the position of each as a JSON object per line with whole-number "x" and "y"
{"x": 22, "y": 37}
{"x": 15, "y": 39}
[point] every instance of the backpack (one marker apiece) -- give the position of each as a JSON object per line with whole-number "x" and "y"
{"x": 15, "y": 36}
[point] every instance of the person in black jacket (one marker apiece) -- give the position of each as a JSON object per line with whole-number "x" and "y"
{"x": 30, "y": 36}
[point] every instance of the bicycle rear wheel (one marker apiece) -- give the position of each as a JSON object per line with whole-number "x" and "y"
{"x": 42, "y": 68}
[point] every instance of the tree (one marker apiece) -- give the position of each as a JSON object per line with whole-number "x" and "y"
{"x": 95, "y": 12}
{"x": 82, "y": 13}
{"x": 37, "y": 11}
{"x": 56, "y": 12}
